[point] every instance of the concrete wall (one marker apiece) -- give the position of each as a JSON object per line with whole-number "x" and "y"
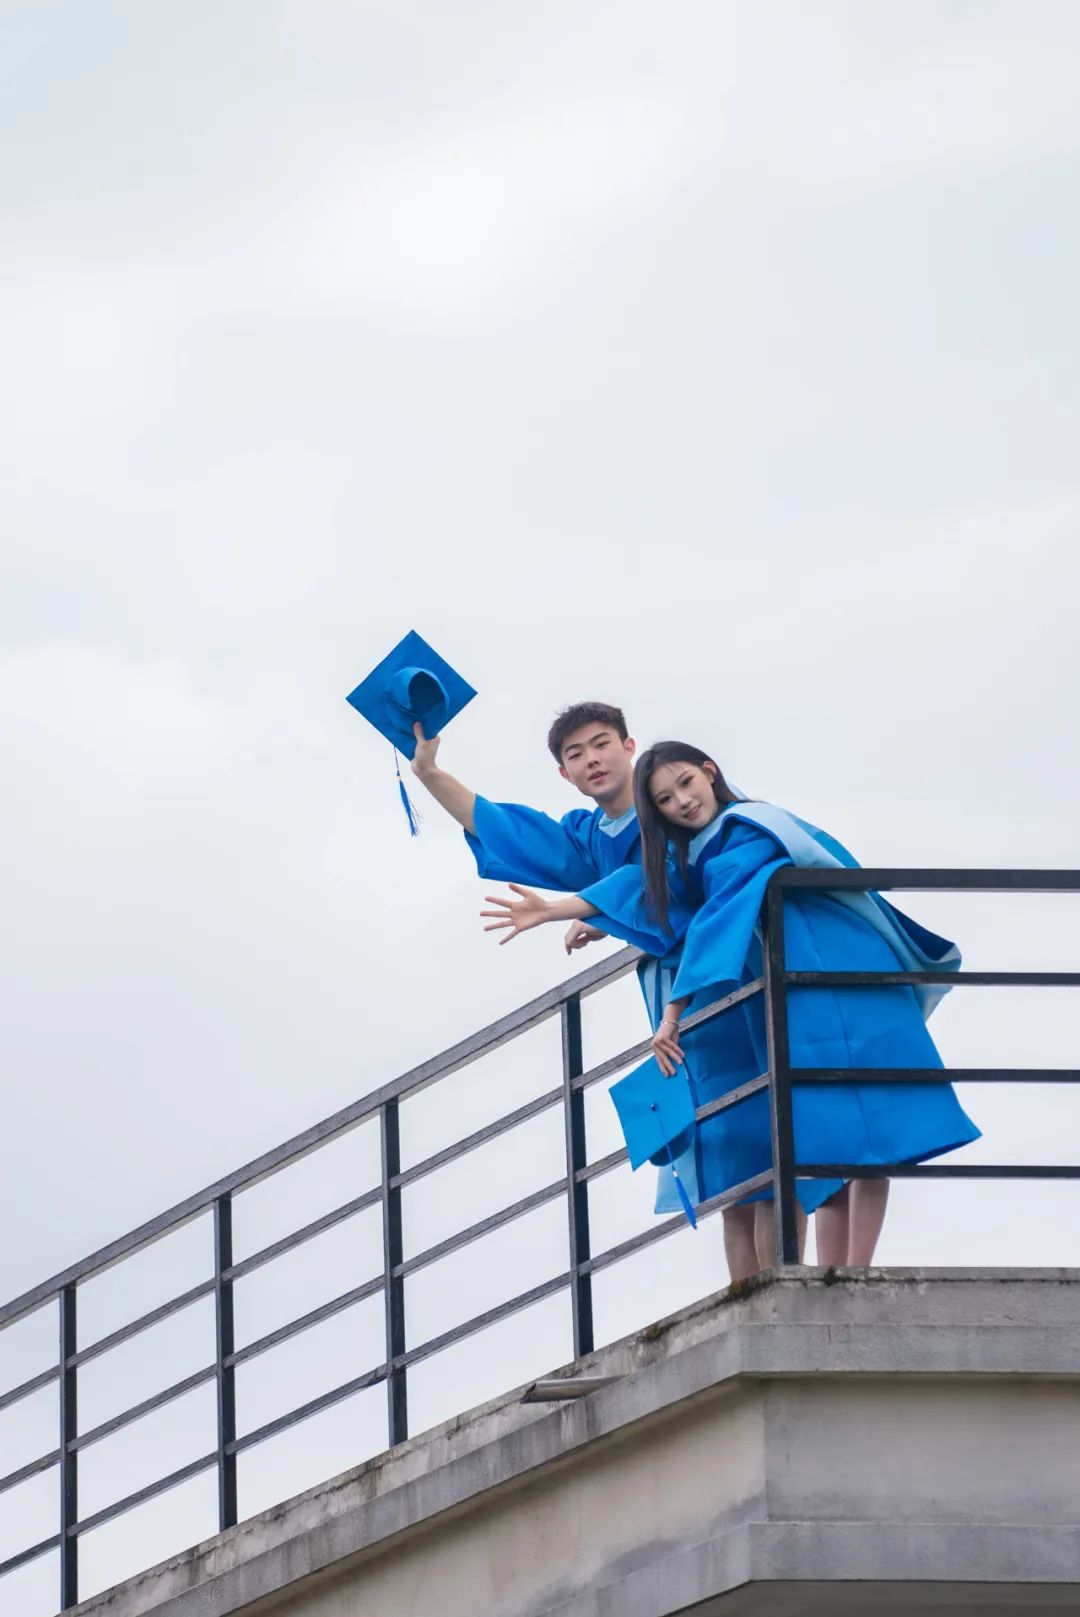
{"x": 907, "y": 1441}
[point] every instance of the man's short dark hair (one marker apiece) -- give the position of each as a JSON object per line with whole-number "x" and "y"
{"x": 581, "y": 714}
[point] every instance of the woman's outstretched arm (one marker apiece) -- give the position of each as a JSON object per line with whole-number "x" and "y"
{"x": 529, "y": 909}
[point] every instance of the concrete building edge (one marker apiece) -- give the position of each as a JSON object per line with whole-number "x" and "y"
{"x": 709, "y": 1575}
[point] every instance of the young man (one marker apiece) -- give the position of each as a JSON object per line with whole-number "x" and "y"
{"x": 592, "y": 746}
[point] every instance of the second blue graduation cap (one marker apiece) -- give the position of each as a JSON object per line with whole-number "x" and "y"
{"x": 658, "y": 1119}
{"x": 655, "y": 1112}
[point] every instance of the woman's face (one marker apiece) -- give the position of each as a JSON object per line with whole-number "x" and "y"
{"x": 683, "y": 793}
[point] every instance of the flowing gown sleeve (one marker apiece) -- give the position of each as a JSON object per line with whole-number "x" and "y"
{"x": 734, "y": 871}
{"x": 515, "y": 843}
{"x": 619, "y": 900}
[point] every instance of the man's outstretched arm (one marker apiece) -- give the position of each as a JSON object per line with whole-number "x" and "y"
{"x": 508, "y": 841}
{"x": 458, "y": 800}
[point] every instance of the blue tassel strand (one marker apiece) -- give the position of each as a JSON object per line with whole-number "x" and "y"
{"x": 688, "y": 1206}
{"x": 410, "y": 812}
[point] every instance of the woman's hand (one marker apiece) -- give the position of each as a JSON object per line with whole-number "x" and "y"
{"x": 513, "y": 917}
{"x": 666, "y": 1046}
{"x": 578, "y": 935}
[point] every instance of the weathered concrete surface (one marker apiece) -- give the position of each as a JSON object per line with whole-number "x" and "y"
{"x": 882, "y": 1441}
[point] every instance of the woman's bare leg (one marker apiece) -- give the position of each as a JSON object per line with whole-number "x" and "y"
{"x": 765, "y": 1233}
{"x": 739, "y": 1245}
{"x": 832, "y": 1223}
{"x": 869, "y": 1198}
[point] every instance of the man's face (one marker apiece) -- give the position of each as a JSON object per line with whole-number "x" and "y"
{"x": 598, "y": 762}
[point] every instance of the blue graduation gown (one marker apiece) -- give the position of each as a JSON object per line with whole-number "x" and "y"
{"x": 730, "y": 865}
{"x": 516, "y": 843}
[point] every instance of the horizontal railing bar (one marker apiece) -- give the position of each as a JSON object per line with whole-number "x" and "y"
{"x": 143, "y": 1323}
{"x": 641, "y": 1050}
{"x": 307, "y": 1232}
{"x": 142, "y": 1495}
{"x": 586, "y": 983}
{"x": 718, "y": 1006}
{"x": 929, "y": 880}
{"x": 734, "y": 1097}
{"x": 672, "y": 1226}
{"x": 946, "y": 979}
{"x": 484, "y": 1226}
{"x": 31, "y": 1469}
{"x": 316, "y": 1316}
{"x": 601, "y": 1165}
{"x": 737, "y": 1193}
{"x": 314, "y": 1406}
{"x": 490, "y": 1131}
{"x": 13, "y": 1562}
{"x": 167, "y": 1223}
{"x": 940, "y": 1075}
{"x": 35, "y": 1384}
{"x": 658, "y": 1232}
{"x": 635, "y": 1052}
{"x": 116, "y": 1423}
{"x": 300, "y": 1145}
{"x": 938, "y": 1170}
{"x": 480, "y": 1322}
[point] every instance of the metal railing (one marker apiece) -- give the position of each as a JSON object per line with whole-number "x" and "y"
{"x": 383, "y": 1106}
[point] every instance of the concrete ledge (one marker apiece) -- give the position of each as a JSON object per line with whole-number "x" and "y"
{"x": 802, "y": 1568}
{"x": 730, "y": 1454}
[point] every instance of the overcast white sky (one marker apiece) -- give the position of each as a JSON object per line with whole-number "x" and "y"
{"x": 719, "y": 359}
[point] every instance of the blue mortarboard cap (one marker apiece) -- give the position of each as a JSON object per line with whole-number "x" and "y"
{"x": 412, "y": 685}
{"x": 658, "y": 1120}
{"x": 655, "y": 1112}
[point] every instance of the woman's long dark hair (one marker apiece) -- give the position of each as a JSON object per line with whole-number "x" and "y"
{"x": 658, "y": 833}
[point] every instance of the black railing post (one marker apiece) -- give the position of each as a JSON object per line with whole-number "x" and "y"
{"x": 397, "y": 1405}
{"x": 225, "y": 1347}
{"x": 577, "y": 1192}
{"x": 776, "y": 1033}
{"x": 69, "y": 1459}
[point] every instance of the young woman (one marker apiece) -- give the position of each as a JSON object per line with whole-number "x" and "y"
{"x": 707, "y": 857}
